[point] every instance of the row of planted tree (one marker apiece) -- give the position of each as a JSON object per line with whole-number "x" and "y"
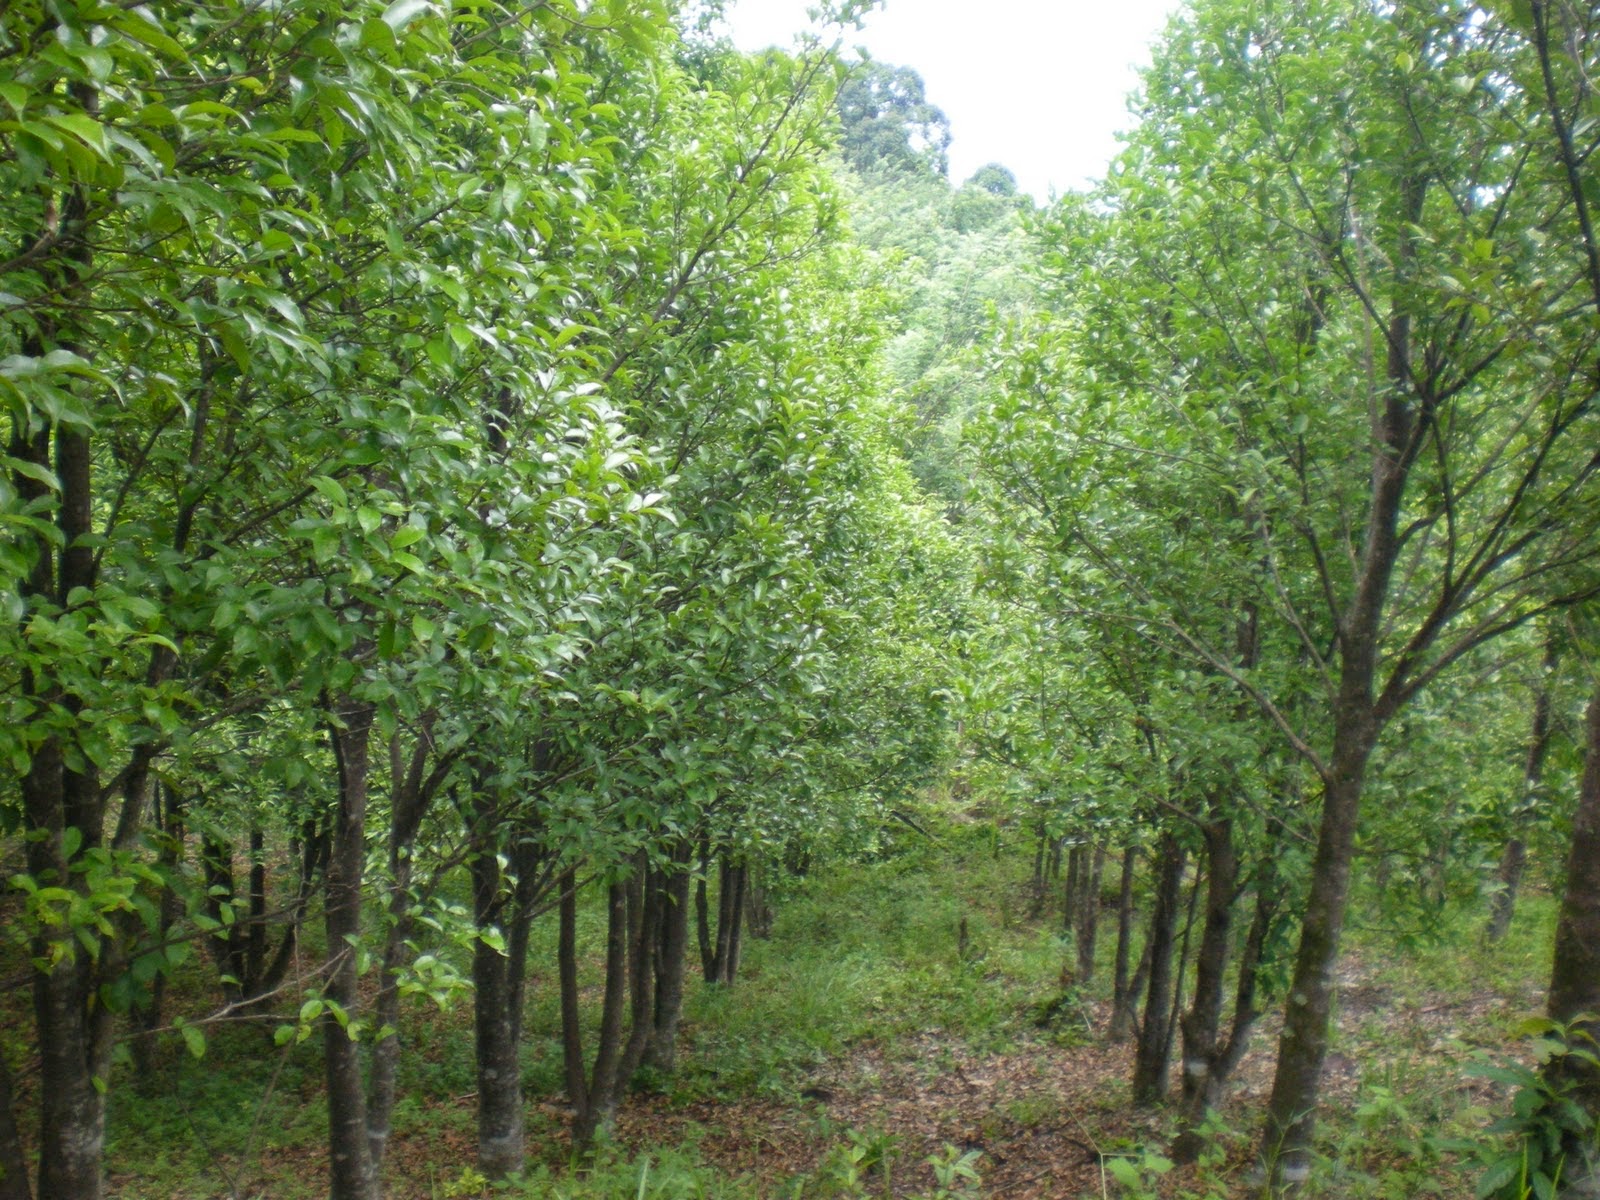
{"x": 453, "y": 471}
{"x": 1297, "y": 472}
{"x": 444, "y": 459}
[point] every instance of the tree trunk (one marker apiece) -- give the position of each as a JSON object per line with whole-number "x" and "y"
{"x": 72, "y": 1112}
{"x": 1123, "y": 1002}
{"x": 1303, "y": 1044}
{"x": 719, "y": 952}
{"x": 1513, "y": 859}
{"x": 1575, "y": 977}
{"x": 169, "y": 824}
{"x": 350, "y": 1173}
{"x": 572, "y": 1054}
{"x": 671, "y": 959}
{"x": 702, "y": 913}
{"x": 1070, "y": 897}
{"x": 1088, "y": 924}
{"x": 500, "y": 1122}
{"x": 1151, "y": 1057}
{"x": 1037, "y": 897}
{"x": 628, "y": 990}
{"x": 1202, "y": 1023}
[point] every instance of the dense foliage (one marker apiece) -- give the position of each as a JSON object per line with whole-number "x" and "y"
{"x": 477, "y": 467}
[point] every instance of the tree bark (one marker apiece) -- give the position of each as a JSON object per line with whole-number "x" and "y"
{"x": 1201, "y": 1025}
{"x": 1123, "y": 1002}
{"x": 1070, "y": 895}
{"x": 1151, "y": 1056}
{"x": 671, "y": 960}
{"x": 628, "y": 992}
{"x": 572, "y": 1054}
{"x": 350, "y": 1173}
{"x": 1575, "y": 977}
{"x": 1088, "y": 924}
{"x": 1514, "y": 857}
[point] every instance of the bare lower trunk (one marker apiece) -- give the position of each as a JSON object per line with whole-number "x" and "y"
{"x": 1071, "y": 894}
{"x": 720, "y": 949}
{"x": 1303, "y": 1044}
{"x": 1575, "y": 977}
{"x": 1088, "y": 924}
{"x": 1151, "y": 1058}
{"x": 500, "y": 1128}
{"x": 671, "y": 959}
{"x": 500, "y": 1121}
{"x": 1123, "y": 1004}
{"x": 72, "y": 1111}
{"x": 1514, "y": 857}
{"x": 571, "y": 1018}
{"x": 350, "y": 1173}
{"x": 1201, "y": 1025}
{"x": 628, "y": 992}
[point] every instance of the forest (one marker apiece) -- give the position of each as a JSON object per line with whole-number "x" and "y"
{"x": 581, "y": 621}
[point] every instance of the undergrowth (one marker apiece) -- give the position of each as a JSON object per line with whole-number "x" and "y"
{"x": 868, "y": 958}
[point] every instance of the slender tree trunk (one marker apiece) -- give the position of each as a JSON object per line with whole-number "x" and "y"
{"x": 350, "y": 1173}
{"x": 500, "y": 1125}
{"x": 1514, "y": 857}
{"x": 671, "y": 959}
{"x": 720, "y": 954}
{"x": 1123, "y": 1002}
{"x": 1089, "y": 912}
{"x": 702, "y": 913}
{"x": 1303, "y": 1044}
{"x": 628, "y": 988}
{"x": 72, "y": 1113}
{"x": 1040, "y": 848}
{"x": 1183, "y": 961}
{"x": 1575, "y": 977}
{"x": 71, "y": 1028}
{"x": 1201, "y": 1025}
{"x": 1151, "y": 1058}
{"x": 1070, "y": 895}
{"x": 169, "y": 824}
{"x": 571, "y": 1018}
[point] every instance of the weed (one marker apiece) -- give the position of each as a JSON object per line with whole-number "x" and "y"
{"x": 1546, "y": 1124}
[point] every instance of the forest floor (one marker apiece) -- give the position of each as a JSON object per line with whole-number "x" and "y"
{"x": 860, "y": 1054}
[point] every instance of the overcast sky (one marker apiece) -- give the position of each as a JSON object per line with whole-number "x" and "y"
{"x": 1039, "y": 85}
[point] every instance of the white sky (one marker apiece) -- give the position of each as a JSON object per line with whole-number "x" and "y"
{"x": 1039, "y": 85}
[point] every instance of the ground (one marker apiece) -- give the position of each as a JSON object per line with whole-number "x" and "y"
{"x": 861, "y": 1042}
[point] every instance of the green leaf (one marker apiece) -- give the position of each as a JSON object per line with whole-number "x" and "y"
{"x": 194, "y": 1039}
{"x": 378, "y": 34}
{"x": 402, "y": 12}
{"x": 331, "y": 489}
{"x": 16, "y": 96}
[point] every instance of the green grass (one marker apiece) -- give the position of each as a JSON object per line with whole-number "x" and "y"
{"x": 864, "y": 956}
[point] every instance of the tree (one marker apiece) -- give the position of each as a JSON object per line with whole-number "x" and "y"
{"x": 1357, "y": 336}
{"x": 888, "y": 124}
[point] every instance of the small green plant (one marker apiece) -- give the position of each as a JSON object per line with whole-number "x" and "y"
{"x": 1545, "y": 1120}
{"x": 1138, "y": 1173}
{"x": 469, "y": 1183}
{"x": 862, "y": 1166}
{"x": 955, "y": 1172}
